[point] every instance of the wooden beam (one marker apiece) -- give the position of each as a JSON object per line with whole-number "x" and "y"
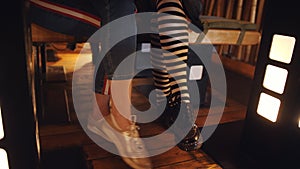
{"x": 226, "y": 37}
{"x": 213, "y": 36}
{"x": 43, "y": 35}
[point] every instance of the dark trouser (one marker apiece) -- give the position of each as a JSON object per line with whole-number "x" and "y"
{"x": 110, "y": 10}
{"x": 56, "y": 16}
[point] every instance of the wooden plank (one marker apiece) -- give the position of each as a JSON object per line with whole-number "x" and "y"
{"x": 226, "y": 37}
{"x": 211, "y": 7}
{"x": 109, "y": 163}
{"x": 217, "y": 110}
{"x": 56, "y": 74}
{"x": 225, "y": 118}
{"x": 47, "y": 130}
{"x": 64, "y": 140}
{"x": 213, "y": 36}
{"x": 239, "y": 67}
{"x": 93, "y": 152}
{"x": 176, "y": 157}
{"x": 259, "y": 13}
{"x": 55, "y": 103}
{"x": 43, "y": 35}
{"x": 192, "y": 164}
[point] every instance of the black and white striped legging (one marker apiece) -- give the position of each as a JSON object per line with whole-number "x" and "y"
{"x": 169, "y": 51}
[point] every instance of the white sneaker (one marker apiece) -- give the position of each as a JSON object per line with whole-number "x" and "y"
{"x": 128, "y": 143}
{"x": 95, "y": 126}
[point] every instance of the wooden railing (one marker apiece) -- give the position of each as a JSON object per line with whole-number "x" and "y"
{"x": 237, "y": 57}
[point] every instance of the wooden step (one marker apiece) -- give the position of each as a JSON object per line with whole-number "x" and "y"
{"x": 191, "y": 164}
{"x": 115, "y": 162}
{"x": 174, "y": 158}
{"x": 55, "y": 74}
{"x": 98, "y": 158}
{"x": 56, "y": 110}
{"x": 62, "y": 136}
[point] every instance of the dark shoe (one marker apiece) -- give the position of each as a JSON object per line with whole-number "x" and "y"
{"x": 193, "y": 139}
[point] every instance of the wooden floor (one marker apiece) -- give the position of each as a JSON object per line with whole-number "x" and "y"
{"x": 62, "y": 131}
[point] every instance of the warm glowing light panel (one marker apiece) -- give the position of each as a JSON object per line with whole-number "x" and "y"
{"x": 268, "y": 107}
{"x": 275, "y": 78}
{"x": 282, "y": 48}
{"x": 3, "y": 159}
{"x": 1, "y": 126}
{"x": 196, "y": 72}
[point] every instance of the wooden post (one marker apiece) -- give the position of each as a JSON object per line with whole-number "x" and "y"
{"x": 17, "y": 89}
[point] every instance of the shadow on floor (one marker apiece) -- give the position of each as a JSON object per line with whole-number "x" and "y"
{"x": 224, "y": 147}
{"x": 63, "y": 159}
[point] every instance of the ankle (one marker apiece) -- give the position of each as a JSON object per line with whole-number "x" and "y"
{"x": 121, "y": 121}
{"x": 118, "y": 123}
{"x": 102, "y": 104}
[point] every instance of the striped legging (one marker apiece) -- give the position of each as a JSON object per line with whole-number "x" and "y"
{"x": 169, "y": 51}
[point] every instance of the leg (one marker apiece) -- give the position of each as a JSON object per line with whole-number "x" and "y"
{"x": 159, "y": 72}
{"x": 173, "y": 37}
{"x": 116, "y": 89}
{"x": 109, "y": 11}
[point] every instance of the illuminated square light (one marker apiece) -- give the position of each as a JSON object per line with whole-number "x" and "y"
{"x": 282, "y": 48}
{"x": 268, "y": 107}
{"x": 3, "y": 159}
{"x": 299, "y": 123}
{"x": 1, "y": 126}
{"x": 146, "y": 47}
{"x": 196, "y": 72}
{"x": 275, "y": 78}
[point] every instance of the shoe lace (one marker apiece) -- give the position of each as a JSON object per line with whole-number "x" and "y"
{"x": 133, "y": 133}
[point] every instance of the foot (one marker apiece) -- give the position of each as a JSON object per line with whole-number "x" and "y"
{"x": 95, "y": 125}
{"x": 193, "y": 139}
{"x": 128, "y": 142}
